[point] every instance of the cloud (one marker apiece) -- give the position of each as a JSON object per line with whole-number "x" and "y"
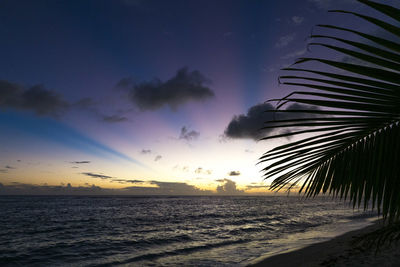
{"x": 297, "y": 20}
{"x": 228, "y": 188}
{"x": 145, "y": 151}
{"x": 285, "y": 40}
{"x": 294, "y": 54}
{"x": 176, "y": 188}
{"x": 36, "y": 98}
{"x": 31, "y": 189}
{"x": 234, "y": 173}
{"x": 156, "y": 188}
{"x": 114, "y": 118}
{"x": 157, "y": 158}
{"x": 247, "y": 126}
{"x": 122, "y": 181}
{"x": 200, "y": 170}
{"x": 184, "y": 87}
{"x": 9, "y": 167}
{"x": 80, "y": 162}
{"x": 256, "y": 186}
{"x": 95, "y": 175}
{"x": 45, "y": 102}
{"x": 188, "y": 135}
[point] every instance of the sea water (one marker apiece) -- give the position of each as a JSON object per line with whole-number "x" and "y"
{"x": 164, "y": 231}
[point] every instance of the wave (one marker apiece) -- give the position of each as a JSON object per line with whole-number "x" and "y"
{"x": 176, "y": 252}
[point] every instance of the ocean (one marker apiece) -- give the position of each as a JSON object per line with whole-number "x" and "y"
{"x": 164, "y": 231}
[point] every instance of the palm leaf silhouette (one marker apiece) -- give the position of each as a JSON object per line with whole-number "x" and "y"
{"x": 352, "y": 143}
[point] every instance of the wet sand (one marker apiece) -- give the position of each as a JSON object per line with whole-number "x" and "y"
{"x": 339, "y": 251}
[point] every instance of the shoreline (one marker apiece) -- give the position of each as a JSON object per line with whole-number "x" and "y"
{"x": 337, "y": 251}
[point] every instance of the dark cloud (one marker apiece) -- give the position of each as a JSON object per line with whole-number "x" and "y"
{"x": 145, "y": 151}
{"x": 114, "y": 118}
{"x": 188, "y": 135}
{"x": 95, "y": 175}
{"x": 157, "y": 158}
{"x": 156, "y": 188}
{"x": 80, "y": 162}
{"x": 30, "y": 189}
{"x": 122, "y": 181}
{"x": 185, "y": 86}
{"x": 247, "y": 126}
{"x": 3, "y": 171}
{"x": 228, "y": 188}
{"x": 234, "y": 173}
{"x": 9, "y": 167}
{"x": 35, "y": 98}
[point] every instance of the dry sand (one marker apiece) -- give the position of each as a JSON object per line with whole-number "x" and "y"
{"x": 339, "y": 251}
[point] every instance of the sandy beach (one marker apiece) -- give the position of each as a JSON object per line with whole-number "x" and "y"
{"x": 339, "y": 251}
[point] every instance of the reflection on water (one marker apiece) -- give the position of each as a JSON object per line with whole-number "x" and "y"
{"x": 166, "y": 231}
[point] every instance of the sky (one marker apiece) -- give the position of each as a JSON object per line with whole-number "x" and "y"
{"x": 145, "y": 96}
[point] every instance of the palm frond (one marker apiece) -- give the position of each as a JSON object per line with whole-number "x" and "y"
{"x": 352, "y": 143}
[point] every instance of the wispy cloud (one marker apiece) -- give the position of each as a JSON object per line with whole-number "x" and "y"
{"x": 295, "y": 54}
{"x": 187, "y": 135}
{"x": 285, "y": 40}
{"x": 114, "y": 118}
{"x": 80, "y": 162}
{"x": 145, "y": 151}
{"x": 200, "y": 170}
{"x": 297, "y": 20}
{"x": 95, "y": 175}
{"x": 123, "y": 181}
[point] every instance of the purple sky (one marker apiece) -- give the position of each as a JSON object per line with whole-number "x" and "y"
{"x": 142, "y": 93}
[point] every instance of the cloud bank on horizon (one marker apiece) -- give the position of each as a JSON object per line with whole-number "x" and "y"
{"x": 227, "y": 187}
